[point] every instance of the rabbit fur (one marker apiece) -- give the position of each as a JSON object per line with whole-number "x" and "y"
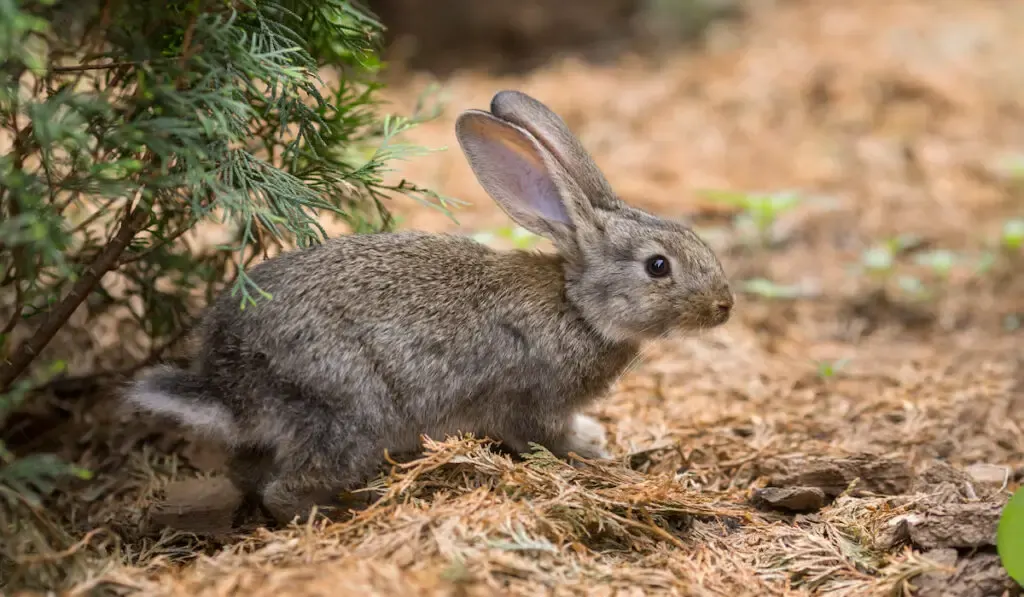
{"x": 371, "y": 341}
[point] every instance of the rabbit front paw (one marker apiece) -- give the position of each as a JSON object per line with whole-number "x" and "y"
{"x": 586, "y": 437}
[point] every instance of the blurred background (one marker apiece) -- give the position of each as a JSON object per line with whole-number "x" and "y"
{"x": 828, "y": 150}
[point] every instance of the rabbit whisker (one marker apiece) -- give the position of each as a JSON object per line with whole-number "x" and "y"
{"x": 636, "y": 360}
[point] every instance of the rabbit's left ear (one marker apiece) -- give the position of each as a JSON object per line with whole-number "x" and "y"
{"x": 524, "y": 179}
{"x": 554, "y": 135}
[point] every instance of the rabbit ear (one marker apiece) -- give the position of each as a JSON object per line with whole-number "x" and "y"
{"x": 552, "y": 133}
{"x": 523, "y": 178}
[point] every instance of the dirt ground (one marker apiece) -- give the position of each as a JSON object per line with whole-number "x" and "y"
{"x": 742, "y": 464}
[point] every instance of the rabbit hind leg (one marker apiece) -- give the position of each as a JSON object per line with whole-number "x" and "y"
{"x": 250, "y": 468}
{"x": 324, "y": 480}
{"x": 289, "y": 499}
{"x": 325, "y": 444}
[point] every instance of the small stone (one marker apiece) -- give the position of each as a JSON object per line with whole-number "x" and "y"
{"x": 204, "y": 505}
{"x": 404, "y": 556}
{"x": 943, "y": 556}
{"x": 793, "y": 499}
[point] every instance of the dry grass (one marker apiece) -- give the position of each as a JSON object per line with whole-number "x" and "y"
{"x": 899, "y": 113}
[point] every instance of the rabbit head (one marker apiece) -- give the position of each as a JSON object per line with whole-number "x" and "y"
{"x": 633, "y": 275}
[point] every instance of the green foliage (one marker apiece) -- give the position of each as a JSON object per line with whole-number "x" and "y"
{"x": 768, "y": 289}
{"x": 940, "y": 261}
{"x": 913, "y": 288}
{"x": 30, "y": 479}
{"x": 883, "y": 262}
{"x": 34, "y": 477}
{"x": 759, "y": 211}
{"x": 1010, "y": 537}
{"x": 519, "y": 237}
{"x": 126, "y": 124}
{"x": 1006, "y": 250}
{"x": 879, "y": 260}
{"x": 155, "y": 119}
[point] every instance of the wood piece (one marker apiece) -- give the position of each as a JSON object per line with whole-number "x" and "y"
{"x": 791, "y": 499}
{"x": 978, "y": 575}
{"x": 833, "y": 476}
{"x": 963, "y": 526}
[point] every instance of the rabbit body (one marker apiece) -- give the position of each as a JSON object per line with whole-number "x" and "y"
{"x": 371, "y": 341}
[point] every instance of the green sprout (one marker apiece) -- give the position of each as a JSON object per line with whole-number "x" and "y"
{"x": 1009, "y": 243}
{"x": 913, "y": 287}
{"x": 986, "y": 261}
{"x": 760, "y": 211}
{"x": 878, "y": 261}
{"x": 770, "y": 290}
{"x": 1012, "y": 237}
{"x": 1011, "y": 167}
{"x": 829, "y": 369}
{"x": 940, "y": 261}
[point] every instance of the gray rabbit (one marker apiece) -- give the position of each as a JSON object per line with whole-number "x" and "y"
{"x": 372, "y": 340}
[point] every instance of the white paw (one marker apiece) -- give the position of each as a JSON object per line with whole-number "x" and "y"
{"x": 587, "y": 437}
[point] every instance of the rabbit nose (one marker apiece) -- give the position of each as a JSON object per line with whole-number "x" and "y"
{"x": 722, "y": 307}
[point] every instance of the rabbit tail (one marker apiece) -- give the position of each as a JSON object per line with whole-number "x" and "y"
{"x": 183, "y": 396}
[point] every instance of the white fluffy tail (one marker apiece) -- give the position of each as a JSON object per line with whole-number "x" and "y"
{"x": 181, "y": 395}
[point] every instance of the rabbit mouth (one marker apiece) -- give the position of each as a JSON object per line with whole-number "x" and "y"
{"x": 717, "y": 313}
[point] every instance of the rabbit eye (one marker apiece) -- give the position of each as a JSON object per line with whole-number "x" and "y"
{"x": 657, "y": 266}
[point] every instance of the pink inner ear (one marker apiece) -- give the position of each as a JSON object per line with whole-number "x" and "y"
{"x": 528, "y": 180}
{"x": 511, "y": 168}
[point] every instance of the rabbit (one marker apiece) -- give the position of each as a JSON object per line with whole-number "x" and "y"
{"x": 371, "y": 341}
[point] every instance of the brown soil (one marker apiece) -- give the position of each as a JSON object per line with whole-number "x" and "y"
{"x": 739, "y": 469}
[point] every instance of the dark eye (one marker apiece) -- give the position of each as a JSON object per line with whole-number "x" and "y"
{"x": 657, "y": 266}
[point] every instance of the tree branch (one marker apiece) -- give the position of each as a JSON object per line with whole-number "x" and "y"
{"x": 134, "y": 220}
{"x": 77, "y": 68}
{"x": 19, "y": 308}
{"x": 157, "y": 245}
